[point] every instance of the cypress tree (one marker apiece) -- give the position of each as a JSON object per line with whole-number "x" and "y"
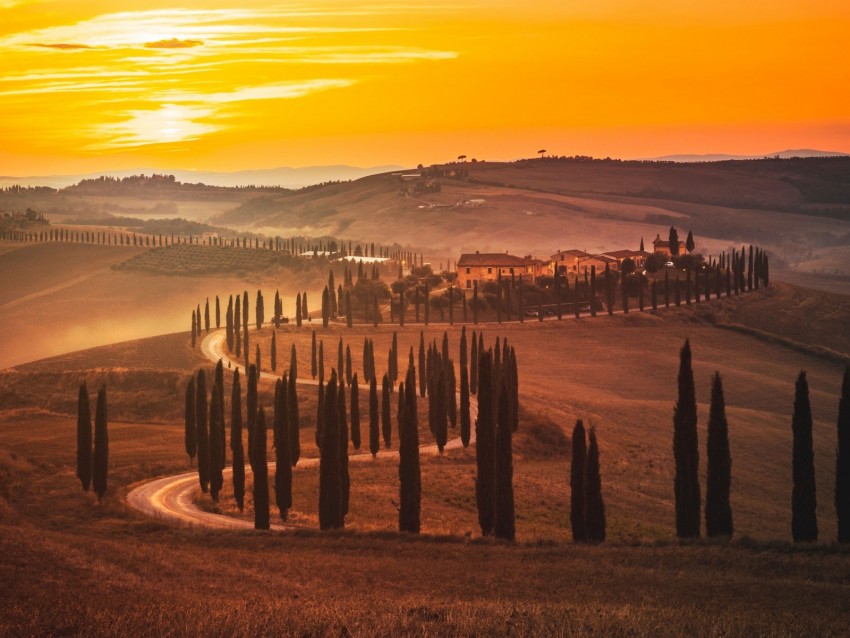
{"x": 374, "y": 416}
{"x": 330, "y": 481}
{"x": 320, "y": 413}
{"x": 465, "y": 422}
{"x": 578, "y": 506}
{"x": 298, "y": 318}
{"x": 228, "y": 324}
{"x": 349, "y": 318}
{"x": 473, "y": 368}
{"x": 504, "y": 525}
{"x": 386, "y": 425}
{"x": 422, "y": 380}
{"x": 321, "y": 361}
{"x": 100, "y": 456}
{"x": 84, "y": 436}
{"x": 237, "y": 327}
{"x": 718, "y": 513}
{"x": 474, "y": 302}
{"x": 355, "y": 413}
{"x": 393, "y": 361}
{"x": 686, "y": 451}
{"x": 207, "y": 316}
{"x": 261, "y": 473}
{"x": 344, "y": 478}
{"x": 293, "y": 420}
{"x": 256, "y": 359}
{"x": 304, "y": 313}
{"x": 202, "y": 430}
{"x": 326, "y": 311}
{"x": 313, "y": 369}
{"x": 485, "y": 445}
{"x": 804, "y": 525}
{"x": 410, "y": 481}
{"x": 273, "y": 353}
{"x": 216, "y": 427}
{"x": 218, "y": 379}
{"x": 348, "y": 371}
{"x": 236, "y": 448}
{"x": 340, "y": 364}
{"x": 245, "y": 321}
{"x": 194, "y": 335}
{"x": 283, "y": 454}
{"x": 441, "y": 421}
{"x": 593, "y": 291}
{"x": 595, "y": 513}
{"x": 251, "y": 404}
{"x": 842, "y": 461}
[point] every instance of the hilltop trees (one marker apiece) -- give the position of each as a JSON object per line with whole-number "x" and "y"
{"x": 84, "y": 438}
{"x": 842, "y": 462}
{"x": 718, "y": 512}
{"x": 686, "y": 451}
{"x": 804, "y": 526}
{"x": 100, "y": 457}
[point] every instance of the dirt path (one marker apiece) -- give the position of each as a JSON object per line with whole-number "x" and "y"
{"x": 171, "y": 498}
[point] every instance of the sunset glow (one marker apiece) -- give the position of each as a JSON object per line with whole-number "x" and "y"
{"x": 226, "y": 86}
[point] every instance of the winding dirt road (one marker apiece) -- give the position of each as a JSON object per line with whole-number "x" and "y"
{"x": 171, "y": 498}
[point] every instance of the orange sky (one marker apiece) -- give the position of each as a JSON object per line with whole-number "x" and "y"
{"x": 93, "y": 85}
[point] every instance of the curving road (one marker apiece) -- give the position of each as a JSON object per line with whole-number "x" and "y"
{"x": 171, "y": 498}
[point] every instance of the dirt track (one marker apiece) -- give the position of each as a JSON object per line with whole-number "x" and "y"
{"x": 171, "y": 498}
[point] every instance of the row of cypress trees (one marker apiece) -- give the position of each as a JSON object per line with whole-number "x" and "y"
{"x": 718, "y": 512}
{"x": 92, "y": 455}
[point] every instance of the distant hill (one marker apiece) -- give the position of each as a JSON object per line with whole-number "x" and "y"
{"x": 285, "y": 177}
{"x": 721, "y": 157}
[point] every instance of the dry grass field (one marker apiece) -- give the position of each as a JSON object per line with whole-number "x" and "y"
{"x": 72, "y": 566}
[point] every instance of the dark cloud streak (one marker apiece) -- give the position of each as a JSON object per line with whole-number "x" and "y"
{"x": 173, "y": 43}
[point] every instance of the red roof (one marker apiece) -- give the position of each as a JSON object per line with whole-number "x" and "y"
{"x": 490, "y": 259}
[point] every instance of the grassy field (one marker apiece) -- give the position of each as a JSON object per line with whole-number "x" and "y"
{"x": 76, "y": 567}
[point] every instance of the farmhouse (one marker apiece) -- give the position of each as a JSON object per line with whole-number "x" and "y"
{"x": 597, "y": 261}
{"x": 662, "y": 247}
{"x": 637, "y": 256}
{"x": 481, "y": 267}
{"x": 566, "y": 261}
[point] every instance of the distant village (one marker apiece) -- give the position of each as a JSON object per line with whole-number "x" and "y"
{"x": 482, "y": 267}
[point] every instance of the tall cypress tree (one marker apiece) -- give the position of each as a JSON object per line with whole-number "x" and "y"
{"x": 216, "y": 461}
{"x": 504, "y": 525}
{"x": 251, "y": 404}
{"x": 283, "y": 454}
{"x": 374, "y": 417}
{"x": 326, "y": 310}
{"x": 207, "y": 316}
{"x": 273, "y": 354}
{"x": 578, "y": 473}
{"x": 410, "y": 485}
{"x": 718, "y": 512}
{"x": 595, "y": 513}
{"x": 842, "y": 461}
{"x": 100, "y": 457}
{"x": 245, "y": 321}
{"x": 201, "y": 426}
{"x": 422, "y": 380}
{"x": 320, "y": 413}
{"x": 298, "y": 318}
{"x": 804, "y": 524}
{"x": 465, "y": 421}
{"x": 218, "y": 379}
{"x": 355, "y": 413}
{"x": 228, "y": 324}
{"x": 261, "y": 473}
{"x": 330, "y": 486}
{"x": 237, "y": 327}
{"x": 236, "y": 448}
{"x": 340, "y": 364}
{"x": 386, "y": 425}
{"x": 344, "y": 477}
{"x": 485, "y": 445}
{"x": 293, "y": 420}
{"x": 473, "y": 368}
{"x": 686, "y": 450}
{"x": 441, "y": 420}
{"x": 313, "y": 368}
{"x": 84, "y": 437}
{"x": 194, "y": 334}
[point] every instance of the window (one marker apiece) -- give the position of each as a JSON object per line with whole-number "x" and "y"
{"x": 467, "y": 272}
{"x": 489, "y": 271}
{"x": 512, "y": 271}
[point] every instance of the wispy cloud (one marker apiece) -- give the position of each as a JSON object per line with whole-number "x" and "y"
{"x": 217, "y": 58}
